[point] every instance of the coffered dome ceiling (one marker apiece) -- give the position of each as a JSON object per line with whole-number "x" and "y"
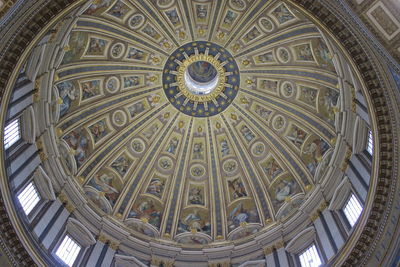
{"x": 196, "y": 122}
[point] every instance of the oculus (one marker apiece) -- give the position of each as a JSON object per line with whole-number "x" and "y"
{"x": 201, "y": 79}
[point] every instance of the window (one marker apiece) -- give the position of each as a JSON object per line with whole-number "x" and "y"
{"x": 12, "y": 133}
{"x": 28, "y": 198}
{"x": 68, "y": 250}
{"x": 352, "y": 210}
{"x": 370, "y": 146}
{"x": 310, "y": 257}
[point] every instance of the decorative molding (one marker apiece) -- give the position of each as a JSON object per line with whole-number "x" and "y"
{"x": 80, "y": 233}
{"x": 381, "y": 102}
{"x": 301, "y": 240}
{"x": 43, "y": 184}
{"x": 340, "y": 196}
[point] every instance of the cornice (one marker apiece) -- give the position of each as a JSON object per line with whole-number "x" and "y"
{"x": 24, "y": 35}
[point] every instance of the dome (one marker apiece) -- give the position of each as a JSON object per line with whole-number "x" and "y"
{"x": 199, "y": 131}
{"x": 190, "y": 134}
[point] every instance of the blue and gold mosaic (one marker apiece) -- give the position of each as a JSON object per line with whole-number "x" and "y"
{"x": 201, "y": 79}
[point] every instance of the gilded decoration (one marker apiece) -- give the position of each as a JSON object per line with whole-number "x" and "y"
{"x": 260, "y": 147}
{"x": 201, "y": 79}
{"x": 196, "y": 142}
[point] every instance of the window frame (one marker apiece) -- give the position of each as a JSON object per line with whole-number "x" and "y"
{"x": 369, "y": 148}
{"x": 78, "y": 257}
{"x": 309, "y": 246}
{"x": 19, "y": 140}
{"x": 30, "y": 182}
{"x": 343, "y": 214}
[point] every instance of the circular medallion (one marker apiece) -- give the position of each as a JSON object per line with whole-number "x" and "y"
{"x": 201, "y": 79}
{"x": 119, "y": 118}
{"x": 138, "y": 145}
{"x": 287, "y": 89}
{"x": 117, "y": 50}
{"x": 283, "y": 55}
{"x": 266, "y": 24}
{"x": 230, "y": 166}
{"x": 112, "y": 84}
{"x": 136, "y": 21}
{"x": 258, "y": 149}
{"x": 197, "y": 172}
{"x": 165, "y": 163}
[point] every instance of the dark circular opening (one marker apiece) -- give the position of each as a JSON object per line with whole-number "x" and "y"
{"x": 202, "y": 71}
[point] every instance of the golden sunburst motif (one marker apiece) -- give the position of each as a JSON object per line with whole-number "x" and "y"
{"x": 214, "y": 92}
{"x": 202, "y": 78}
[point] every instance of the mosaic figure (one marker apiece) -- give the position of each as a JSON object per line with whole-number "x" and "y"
{"x": 105, "y": 183}
{"x": 238, "y": 4}
{"x": 121, "y": 164}
{"x": 137, "y": 146}
{"x": 90, "y": 89}
{"x": 194, "y": 220}
{"x": 131, "y": 81}
{"x": 283, "y": 55}
{"x": 68, "y": 94}
{"x": 316, "y": 149}
{"x": 96, "y": 5}
{"x": 78, "y": 142}
{"x": 136, "y": 21}
{"x": 266, "y": 24}
{"x": 304, "y": 52}
{"x": 264, "y": 113}
{"x": 247, "y": 134}
{"x": 272, "y": 168}
{"x": 322, "y": 51}
{"x": 150, "y": 31}
{"x": 198, "y": 151}
{"x": 237, "y": 188}
{"x": 150, "y": 131}
{"x": 196, "y": 196}
{"x": 134, "y": 53}
{"x": 251, "y": 35}
{"x": 230, "y": 17}
{"x": 173, "y": 145}
{"x": 173, "y": 16}
{"x": 136, "y": 109}
{"x": 269, "y": 85}
{"x": 308, "y": 95}
{"x": 240, "y": 214}
{"x": 118, "y": 10}
{"x": 297, "y": 136}
{"x": 201, "y": 12}
{"x": 287, "y": 89}
{"x": 98, "y": 130}
{"x": 279, "y": 122}
{"x": 282, "y": 14}
{"x": 96, "y": 46}
{"x": 284, "y": 189}
{"x": 224, "y": 146}
{"x": 265, "y": 58}
{"x": 147, "y": 209}
{"x": 156, "y": 187}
